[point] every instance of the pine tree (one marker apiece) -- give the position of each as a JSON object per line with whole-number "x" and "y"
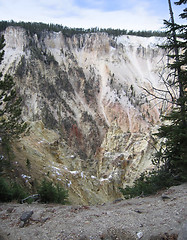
{"x": 174, "y": 133}
{"x": 11, "y": 125}
{"x": 171, "y": 159}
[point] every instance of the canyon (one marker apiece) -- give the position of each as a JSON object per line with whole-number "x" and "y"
{"x": 91, "y": 121}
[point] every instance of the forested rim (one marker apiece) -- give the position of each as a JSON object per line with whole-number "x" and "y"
{"x": 37, "y": 28}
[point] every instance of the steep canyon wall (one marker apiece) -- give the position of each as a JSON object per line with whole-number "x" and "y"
{"x": 90, "y": 118}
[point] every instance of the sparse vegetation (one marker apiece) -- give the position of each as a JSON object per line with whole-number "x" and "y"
{"x": 171, "y": 159}
{"x": 21, "y": 68}
{"x": 149, "y": 183}
{"x": 11, "y": 191}
{"x": 5, "y": 191}
{"x": 28, "y": 164}
{"x": 11, "y": 124}
{"x": 38, "y": 28}
{"x": 50, "y": 193}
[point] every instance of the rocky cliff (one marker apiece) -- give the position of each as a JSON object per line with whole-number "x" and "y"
{"x": 90, "y": 118}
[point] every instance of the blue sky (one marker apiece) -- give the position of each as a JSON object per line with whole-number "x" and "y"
{"x": 124, "y": 14}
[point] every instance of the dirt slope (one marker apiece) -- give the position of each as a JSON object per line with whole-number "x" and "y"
{"x": 138, "y": 218}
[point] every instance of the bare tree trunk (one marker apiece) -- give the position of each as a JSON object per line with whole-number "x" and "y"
{"x": 173, "y": 31}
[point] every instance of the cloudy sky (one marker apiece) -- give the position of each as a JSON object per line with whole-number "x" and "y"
{"x": 124, "y": 14}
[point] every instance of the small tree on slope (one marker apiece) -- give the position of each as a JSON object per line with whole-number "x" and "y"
{"x": 11, "y": 125}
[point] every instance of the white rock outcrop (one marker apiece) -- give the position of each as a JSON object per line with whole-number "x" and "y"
{"x": 87, "y": 91}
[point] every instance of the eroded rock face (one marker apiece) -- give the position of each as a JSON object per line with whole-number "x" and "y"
{"x": 87, "y": 92}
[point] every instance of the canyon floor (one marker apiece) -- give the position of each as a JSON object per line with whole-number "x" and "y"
{"x": 155, "y": 217}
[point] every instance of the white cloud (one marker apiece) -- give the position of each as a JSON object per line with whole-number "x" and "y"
{"x": 139, "y": 19}
{"x": 65, "y": 12}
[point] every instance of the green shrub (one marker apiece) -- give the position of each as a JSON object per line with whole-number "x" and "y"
{"x": 5, "y": 191}
{"x": 18, "y": 193}
{"x": 50, "y": 193}
{"x": 62, "y": 194}
{"x": 9, "y": 192}
{"x": 149, "y": 183}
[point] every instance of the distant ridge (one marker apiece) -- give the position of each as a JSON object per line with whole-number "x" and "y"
{"x": 38, "y": 27}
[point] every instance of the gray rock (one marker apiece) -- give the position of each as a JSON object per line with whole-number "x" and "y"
{"x": 26, "y": 216}
{"x": 183, "y": 232}
{"x": 165, "y": 197}
{"x": 21, "y": 225}
{"x": 34, "y": 197}
{"x": 139, "y": 235}
{"x": 117, "y": 200}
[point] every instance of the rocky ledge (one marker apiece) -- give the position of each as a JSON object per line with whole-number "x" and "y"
{"x": 162, "y": 216}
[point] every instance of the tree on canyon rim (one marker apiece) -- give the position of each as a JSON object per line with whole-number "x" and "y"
{"x": 171, "y": 159}
{"x": 172, "y": 155}
{"x": 11, "y": 124}
{"x": 173, "y": 131}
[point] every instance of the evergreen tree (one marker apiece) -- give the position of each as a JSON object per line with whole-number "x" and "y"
{"x": 11, "y": 125}
{"x": 174, "y": 133}
{"x": 40, "y": 28}
{"x": 171, "y": 159}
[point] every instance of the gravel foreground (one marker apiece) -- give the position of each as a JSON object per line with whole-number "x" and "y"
{"x": 150, "y": 218}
